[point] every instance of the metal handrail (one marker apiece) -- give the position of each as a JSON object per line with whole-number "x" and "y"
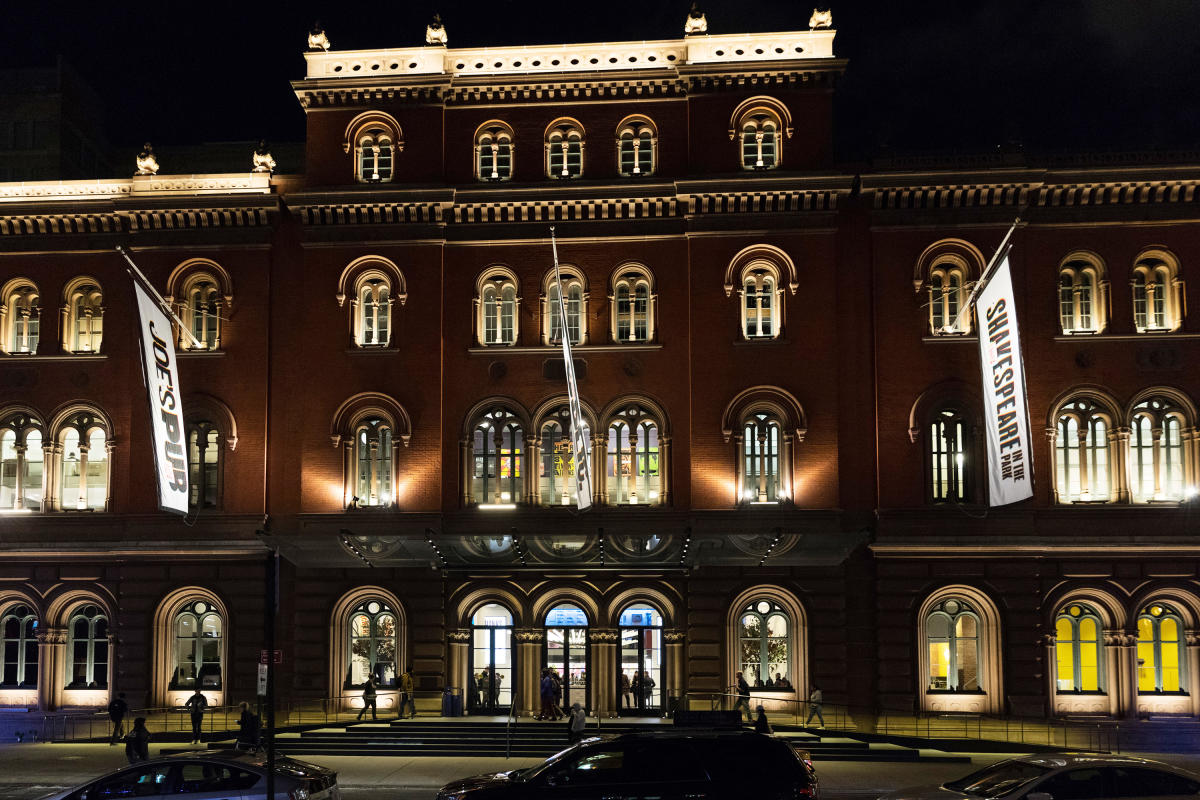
{"x": 512, "y": 711}
{"x": 1099, "y": 736}
{"x": 837, "y": 715}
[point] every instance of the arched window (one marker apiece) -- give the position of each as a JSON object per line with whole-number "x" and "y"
{"x": 491, "y": 667}
{"x": 642, "y": 662}
{"x": 760, "y": 140}
{"x": 198, "y": 629}
{"x": 764, "y": 422}
{"x": 1079, "y": 645}
{"x": 19, "y": 629}
{"x": 1157, "y": 293}
{"x": 373, "y": 471}
{"x": 947, "y": 296}
{"x": 497, "y": 450}
{"x": 762, "y": 300}
{"x": 22, "y": 463}
{"x": 374, "y": 313}
{"x": 494, "y": 152}
{"x": 204, "y": 465}
{"x": 1156, "y": 452}
{"x": 765, "y": 642}
{"x": 633, "y": 305}
{"x": 1083, "y": 463}
{"x": 564, "y": 149}
{"x": 556, "y": 477}
{"x": 633, "y": 475}
{"x": 761, "y": 448}
{"x": 954, "y": 645}
{"x": 575, "y": 300}
{"x": 497, "y": 301}
{"x": 637, "y": 143}
{"x": 202, "y": 313}
{"x": 950, "y": 456}
{"x": 373, "y": 155}
{"x": 566, "y": 651}
{"x": 1082, "y": 295}
{"x": 1161, "y": 650}
{"x": 374, "y": 642}
{"x": 83, "y": 317}
{"x": 21, "y": 318}
{"x": 84, "y": 473}
{"x": 88, "y": 628}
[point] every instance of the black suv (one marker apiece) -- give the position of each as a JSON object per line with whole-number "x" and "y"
{"x": 667, "y": 765}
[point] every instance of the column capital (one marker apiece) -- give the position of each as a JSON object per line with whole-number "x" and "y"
{"x": 604, "y": 635}
{"x": 674, "y": 636}
{"x": 530, "y": 635}
{"x": 52, "y": 636}
{"x": 459, "y": 636}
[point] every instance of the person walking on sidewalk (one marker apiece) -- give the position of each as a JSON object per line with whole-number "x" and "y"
{"x": 137, "y": 742}
{"x": 117, "y": 710}
{"x": 196, "y": 705}
{"x": 815, "y": 702}
{"x": 368, "y": 698}
{"x": 743, "y": 695}
{"x": 406, "y": 694}
{"x": 576, "y": 723}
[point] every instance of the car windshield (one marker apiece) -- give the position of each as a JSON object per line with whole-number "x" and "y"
{"x": 538, "y": 769}
{"x": 998, "y": 779}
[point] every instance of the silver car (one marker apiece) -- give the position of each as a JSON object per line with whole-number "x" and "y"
{"x": 1064, "y": 776}
{"x": 209, "y": 775}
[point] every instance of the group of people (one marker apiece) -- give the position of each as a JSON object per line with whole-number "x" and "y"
{"x": 137, "y": 739}
{"x": 486, "y": 684}
{"x": 407, "y": 707}
{"x": 779, "y": 682}
{"x": 551, "y": 692}
{"x": 640, "y": 687}
{"x": 816, "y": 701}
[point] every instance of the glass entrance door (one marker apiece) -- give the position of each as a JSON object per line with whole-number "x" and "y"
{"x": 640, "y": 684}
{"x": 567, "y": 652}
{"x": 490, "y": 672}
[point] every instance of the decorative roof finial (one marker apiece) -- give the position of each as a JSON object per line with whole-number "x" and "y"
{"x": 317, "y": 40}
{"x": 435, "y": 32}
{"x": 820, "y": 19}
{"x": 261, "y": 159}
{"x": 147, "y": 164}
{"x": 695, "y": 22}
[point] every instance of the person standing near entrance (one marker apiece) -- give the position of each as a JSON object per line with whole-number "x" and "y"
{"x": 117, "y": 710}
{"x": 546, "y": 692}
{"x": 625, "y": 689}
{"x": 576, "y": 723}
{"x": 743, "y": 695}
{"x": 816, "y": 701}
{"x": 647, "y": 689}
{"x": 636, "y": 687}
{"x": 557, "y": 694}
{"x": 368, "y": 699}
{"x": 196, "y": 705}
{"x": 406, "y": 694}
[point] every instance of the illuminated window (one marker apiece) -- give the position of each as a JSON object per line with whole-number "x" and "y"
{"x": 497, "y": 302}
{"x": 201, "y": 311}
{"x": 1082, "y": 454}
{"x": 1156, "y": 452}
{"x": 494, "y": 152}
{"x": 19, "y": 629}
{"x": 761, "y": 439}
{"x": 198, "y": 648}
{"x": 637, "y": 142}
{"x": 634, "y": 474}
{"x": 760, "y": 141}
{"x": 633, "y": 305}
{"x": 497, "y": 450}
{"x": 761, "y": 300}
{"x": 764, "y": 642}
{"x": 950, "y": 454}
{"x": 556, "y": 474}
{"x": 1157, "y": 294}
{"x": 575, "y": 297}
{"x": 373, "y": 453}
{"x": 22, "y": 463}
{"x": 373, "y": 155}
{"x": 1082, "y": 296}
{"x": 83, "y": 312}
{"x": 1078, "y": 645}
{"x": 947, "y": 297}
{"x": 373, "y": 311}
{"x": 84, "y": 466}
{"x": 204, "y": 465}
{"x": 21, "y": 317}
{"x": 952, "y": 637}
{"x": 88, "y": 645}
{"x": 564, "y": 149}
{"x": 1160, "y": 650}
{"x": 374, "y": 642}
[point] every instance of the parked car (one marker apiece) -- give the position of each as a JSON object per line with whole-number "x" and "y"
{"x": 1063, "y": 776}
{"x": 667, "y": 765}
{"x": 210, "y": 775}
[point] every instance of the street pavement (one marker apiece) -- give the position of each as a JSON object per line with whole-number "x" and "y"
{"x": 30, "y": 770}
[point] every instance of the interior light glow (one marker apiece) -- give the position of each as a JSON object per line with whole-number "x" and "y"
{"x": 497, "y": 506}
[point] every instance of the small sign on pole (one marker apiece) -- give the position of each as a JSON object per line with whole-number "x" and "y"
{"x": 262, "y": 680}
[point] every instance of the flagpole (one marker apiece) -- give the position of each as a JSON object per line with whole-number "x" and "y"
{"x": 162, "y": 303}
{"x": 579, "y": 432}
{"x": 987, "y": 274}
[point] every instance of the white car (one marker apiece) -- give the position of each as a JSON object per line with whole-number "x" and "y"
{"x": 1064, "y": 776}
{"x": 209, "y": 775}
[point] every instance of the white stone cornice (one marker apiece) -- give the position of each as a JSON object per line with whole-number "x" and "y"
{"x": 137, "y": 186}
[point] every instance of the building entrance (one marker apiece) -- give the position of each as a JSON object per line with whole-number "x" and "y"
{"x": 490, "y": 673}
{"x": 566, "y": 652}
{"x": 641, "y": 680}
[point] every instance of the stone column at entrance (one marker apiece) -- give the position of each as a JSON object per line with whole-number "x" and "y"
{"x": 673, "y": 645}
{"x": 1193, "y": 665}
{"x": 460, "y": 640}
{"x": 52, "y": 648}
{"x": 1128, "y": 671}
{"x": 529, "y": 668}
{"x": 604, "y": 671}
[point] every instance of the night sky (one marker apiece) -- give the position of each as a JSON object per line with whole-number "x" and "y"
{"x": 925, "y": 77}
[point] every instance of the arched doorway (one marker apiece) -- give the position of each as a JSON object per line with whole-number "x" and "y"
{"x": 490, "y": 670}
{"x": 642, "y": 663}
{"x": 566, "y": 651}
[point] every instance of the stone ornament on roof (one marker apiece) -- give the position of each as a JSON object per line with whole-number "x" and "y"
{"x": 261, "y": 158}
{"x": 435, "y": 32}
{"x": 317, "y": 40}
{"x": 147, "y": 164}
{"x": 820, "y": 19}
{"x": 695, "y": 23}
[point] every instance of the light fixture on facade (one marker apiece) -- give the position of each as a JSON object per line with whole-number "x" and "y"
{"x": 16, "y": 510}
{"x": 497, "y": 506}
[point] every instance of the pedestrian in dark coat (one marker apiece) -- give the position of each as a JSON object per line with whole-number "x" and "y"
{"x": 117, "y": 710}
{"x": 368, "y": 699}
{"x": 576, "y": 723}
{"x": 196, "y": 705}
{"x": 761, "y": 725}
{"x": 248, "y": 729}
{"x": 137, "y": 742}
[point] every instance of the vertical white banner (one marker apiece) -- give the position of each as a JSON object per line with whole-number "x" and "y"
{"x": 581, "y": 436}
{"x": 1006, "y": 418}
{"x": 166, "y": 404}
